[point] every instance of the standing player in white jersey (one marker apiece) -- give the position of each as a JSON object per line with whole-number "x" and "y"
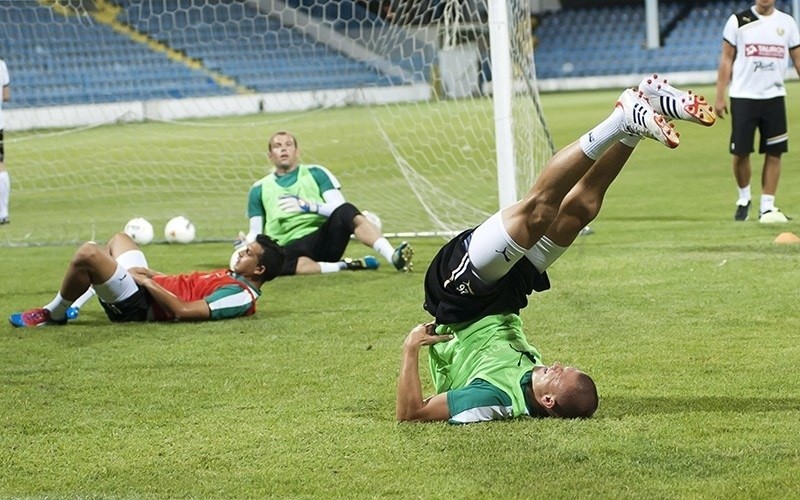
{"x": 5, "y": 182}
{"x": 756, "y": 48}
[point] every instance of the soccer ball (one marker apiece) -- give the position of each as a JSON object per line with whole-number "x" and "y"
{"x": 372, "y": 217}
{"x": 140, "y": 230}
{"x": 179, "y": 230}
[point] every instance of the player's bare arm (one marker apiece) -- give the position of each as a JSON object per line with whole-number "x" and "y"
{"x": 795, "y": 55}
{"x": 196, "y": 310}
{"x": 143, "y": 272}
{"x": 410, "y": 404}
{"x": 724, "y": 77}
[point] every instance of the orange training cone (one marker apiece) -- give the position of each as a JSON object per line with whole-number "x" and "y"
{"x": 787, "y": 238}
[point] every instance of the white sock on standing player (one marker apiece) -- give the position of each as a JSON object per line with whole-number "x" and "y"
{"x": 744, "y": 195}
{"x": 767, "y": 202}
{"x": 5, "y": 193}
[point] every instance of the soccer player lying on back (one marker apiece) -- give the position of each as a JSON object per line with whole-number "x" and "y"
{"x": 482, "y": 365}
{"x": 130, "y": 291}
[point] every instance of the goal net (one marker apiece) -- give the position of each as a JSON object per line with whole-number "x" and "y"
{"x": 159, "y": 108}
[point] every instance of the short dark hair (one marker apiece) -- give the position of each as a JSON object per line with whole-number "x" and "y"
{"x": 276, "y": 134}
{"x": 581, "y": 401}
{"x": 272, "y": 258}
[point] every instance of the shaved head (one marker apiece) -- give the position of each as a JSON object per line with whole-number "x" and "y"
{"x": 578, "y": 397}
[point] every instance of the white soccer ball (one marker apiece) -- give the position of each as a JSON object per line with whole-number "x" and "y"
{"x": 373, "y": 217}
{"x": 179, "y": 230}
{"x": 140, "y": 230}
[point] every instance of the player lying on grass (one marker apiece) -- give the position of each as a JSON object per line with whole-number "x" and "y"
{"x": 482, "y": 366}
{"x": 302, "y": 208}
{"x": 130, "y": 291}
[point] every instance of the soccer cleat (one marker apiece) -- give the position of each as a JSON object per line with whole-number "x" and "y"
{"x": 401, "y": 258}
{"x": 742, "y": 211}
{"x": 34, "y": 317}
{"x": 73, "y": 312}
{"x": 774, "y": 216}
{"x": 4, "y": 220}
{"x": 640, "y": 119}
{"x": 364, "y": 263}
{"x": 676, "y": 103}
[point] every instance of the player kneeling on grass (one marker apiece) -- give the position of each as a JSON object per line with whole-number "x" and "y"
{"x": 481, "y": 363}
{"x": 129, "y": 291}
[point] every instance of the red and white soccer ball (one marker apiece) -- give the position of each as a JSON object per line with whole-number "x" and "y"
{"x": 179, "y": 230}
{"x": 140, "y": 230}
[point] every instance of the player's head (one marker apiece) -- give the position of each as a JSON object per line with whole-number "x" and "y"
{"x": 261, "y": 260}
{"x": 765, "y": 5}
{"x": 564, "y": 391}
{"x": 283, "y": 152}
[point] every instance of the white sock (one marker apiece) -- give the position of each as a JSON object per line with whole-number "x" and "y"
{"x": 595, "y": 142}
{"x": 83, "y": 299}
{"x": 631, "y": 140}
{"x": 544, "y": 253}
{"x": 744, "y": 195}
{"x": 383, "y": 247}
{"x": 331, "y": 267}
{"x": 58, "y": 307}
{"x": 5, "y": 193}
{"x": 767, "y": 202}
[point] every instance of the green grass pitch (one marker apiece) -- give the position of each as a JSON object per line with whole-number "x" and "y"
{"x": 687, "y": 320}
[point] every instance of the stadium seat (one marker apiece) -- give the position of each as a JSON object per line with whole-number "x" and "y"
{"x": 610, "y": 40}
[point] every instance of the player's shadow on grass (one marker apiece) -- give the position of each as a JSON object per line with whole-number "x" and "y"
{"x": 620, "y": 406}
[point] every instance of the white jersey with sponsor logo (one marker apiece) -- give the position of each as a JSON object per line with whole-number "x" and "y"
{"x": 762, "y": 52}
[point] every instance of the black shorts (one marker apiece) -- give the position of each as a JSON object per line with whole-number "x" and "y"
{"x": 766, "y": 115}
{"x": 326, "y": 244}
{"x": 134, "y": 308}
{"x": 455, "y": 294}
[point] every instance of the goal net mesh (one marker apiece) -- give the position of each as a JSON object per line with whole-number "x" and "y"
{"x": 159, "y": 108}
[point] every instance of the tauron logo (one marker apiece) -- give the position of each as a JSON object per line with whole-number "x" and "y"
{"x": 764, "y": 50}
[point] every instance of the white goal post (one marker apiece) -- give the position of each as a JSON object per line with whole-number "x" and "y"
{"x": 427, "y": 112}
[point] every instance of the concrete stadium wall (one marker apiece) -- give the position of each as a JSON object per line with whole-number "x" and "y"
{"x": 206, "y": 107}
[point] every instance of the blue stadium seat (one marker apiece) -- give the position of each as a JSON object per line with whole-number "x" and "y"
{"x": 57, "y": 59}
{"x": 610, "y": 40}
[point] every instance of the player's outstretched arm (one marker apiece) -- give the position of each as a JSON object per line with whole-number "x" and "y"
{"x": 196, "y": 310}
{"x": 410, "y": 404}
